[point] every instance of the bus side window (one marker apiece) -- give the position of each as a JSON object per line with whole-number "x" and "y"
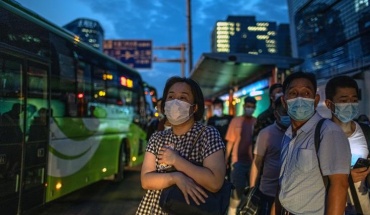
{"x": 10, "y": 79}
{"x": 84, "y": 86}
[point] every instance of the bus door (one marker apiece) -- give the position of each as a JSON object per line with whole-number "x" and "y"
{"x": 36, "y": 131}
{"x": 12, "y": 105}
{"x": 22, "y": 161}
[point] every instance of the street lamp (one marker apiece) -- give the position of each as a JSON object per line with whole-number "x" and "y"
{"x": 190, "y": 42}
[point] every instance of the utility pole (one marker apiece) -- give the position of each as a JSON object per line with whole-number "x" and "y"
{"x": 190, "y": 39}
{"x": 182, "y": 60}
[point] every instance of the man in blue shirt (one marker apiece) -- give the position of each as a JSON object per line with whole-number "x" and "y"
{"x": 302, "y": 189}
{"x": 265, "y": 168}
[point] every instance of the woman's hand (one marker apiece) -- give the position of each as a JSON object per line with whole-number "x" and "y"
{"x": 189, "y": 188}
{"x": 167, "y": 155}
{"x": 359, "y": 174}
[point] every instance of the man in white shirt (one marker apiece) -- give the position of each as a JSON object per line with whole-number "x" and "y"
{"x": 342, "y": 99}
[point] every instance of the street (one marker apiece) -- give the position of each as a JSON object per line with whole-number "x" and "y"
{"x": 103, "y": 198}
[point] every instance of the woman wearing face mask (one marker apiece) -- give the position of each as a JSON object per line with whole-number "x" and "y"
{"x": 183, "y": 105}
{"x": 342, "y": 99}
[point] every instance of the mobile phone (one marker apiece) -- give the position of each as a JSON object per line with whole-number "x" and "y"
{"x": 362, "y": 162}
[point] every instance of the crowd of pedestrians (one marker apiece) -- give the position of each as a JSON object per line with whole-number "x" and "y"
{"x": 298, "y": 169}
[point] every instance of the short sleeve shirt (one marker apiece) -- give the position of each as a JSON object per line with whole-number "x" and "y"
{"x": 241, "y": 129}
{"x": 302, "y": 189}
{"x": 358, "y": 144}
{"x": 208, "y": 143}
{"x": 268, "y": 145}
{"x": 220, "y": 123}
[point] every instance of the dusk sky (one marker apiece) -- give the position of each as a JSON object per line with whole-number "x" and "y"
{"x": 164, "y": 22}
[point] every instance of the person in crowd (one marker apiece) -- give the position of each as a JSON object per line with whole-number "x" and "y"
{"x": 11, "y": 131}
{"x": 219, "y": 120}
{"x": 91, "y": 111}
{"x": 267, "y": 117}
{"x": 154, "y": 122}
{"x": 163, "y": 123}
{"x": 38, "y": 129}
{"x": 239, "y": 148}
{"x": 158, "y": 123}
{"x": 183, "y": 105}
{"x": 38, "y": 137}
{"x": 341, "y": 95}
{"x": 266, "y": 162}
{"x": 363, "y": 119}
{"x": 301, "y": 182}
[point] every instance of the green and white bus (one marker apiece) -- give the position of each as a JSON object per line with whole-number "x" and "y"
{"x": 70, "y": 115}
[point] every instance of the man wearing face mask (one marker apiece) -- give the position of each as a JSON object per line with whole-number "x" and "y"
{"x": 266, "y": 162}
{"x": 342, "y": 99}
{"x": 239, "y": 147}
{"x": 267, "y": 117}
{"x": 219, "y": 120}
{"x": 302, "y": 189}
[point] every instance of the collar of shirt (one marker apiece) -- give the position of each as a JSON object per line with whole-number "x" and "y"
{"x": 306, "y": 127}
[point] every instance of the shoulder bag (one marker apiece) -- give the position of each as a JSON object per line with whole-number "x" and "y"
{"x": 172, "y": 200}
{"x": 250, "y": 204}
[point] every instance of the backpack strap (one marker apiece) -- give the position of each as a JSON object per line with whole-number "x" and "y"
{"x": 317, "y": 146}
{"x": 356, "y": 201}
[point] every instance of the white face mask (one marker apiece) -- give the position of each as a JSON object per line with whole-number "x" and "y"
{"x": 217, "y": 112}
{"x": 177, "y": 111}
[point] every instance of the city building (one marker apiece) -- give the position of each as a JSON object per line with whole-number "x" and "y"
{"x": 333, "y": 38}
{"x": 89, "y": 31}
{"x": 247, "y": 57}
{"x": 243, "y": 34}
{"x": 283, "y": 40}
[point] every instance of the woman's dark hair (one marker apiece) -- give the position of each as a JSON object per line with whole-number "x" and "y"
{"x": 195, "y": 90}
{"x": 342, "y": 81}
{"x": 296, "y": 75}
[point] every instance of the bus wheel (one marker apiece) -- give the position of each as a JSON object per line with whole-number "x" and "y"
{"x": 122, "y": 162}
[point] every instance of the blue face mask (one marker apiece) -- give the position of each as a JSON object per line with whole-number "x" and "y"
{"x": 285, "y": 121}
{"x": 301, "y": 109}
{"x": 346, "y": 112}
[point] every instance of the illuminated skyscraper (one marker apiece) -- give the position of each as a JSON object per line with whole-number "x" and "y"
{"x": 333, "y": 38}
{"x": 89, "y": 31}
{"x": 243, "y": 34}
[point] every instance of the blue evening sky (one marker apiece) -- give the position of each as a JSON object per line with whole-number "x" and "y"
{"x": 164, "y": 22}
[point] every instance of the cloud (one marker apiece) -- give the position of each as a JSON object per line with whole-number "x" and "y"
{"x": 163, "y": 21}
{"x": 142, "y": 19}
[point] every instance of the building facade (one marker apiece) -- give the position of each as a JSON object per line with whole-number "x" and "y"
{"x": 89, "y": 31}
{"x": 333, "y": 36}
{"x": 243, "y": 34}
